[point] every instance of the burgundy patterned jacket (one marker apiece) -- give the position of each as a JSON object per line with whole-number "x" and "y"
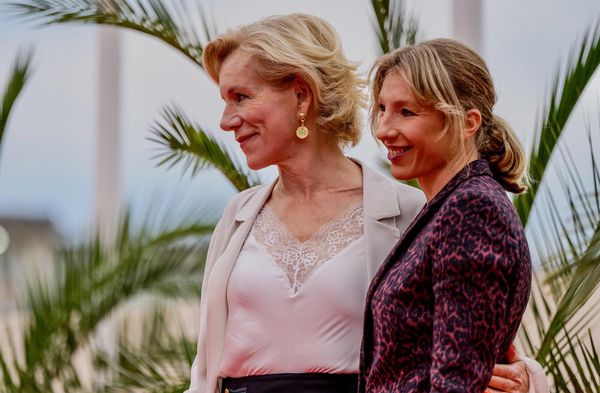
{"x": 446, "y": 304}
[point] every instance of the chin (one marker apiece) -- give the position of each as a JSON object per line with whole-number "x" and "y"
{"x": 401, "y": 174}
{"x": 256, "y": 165}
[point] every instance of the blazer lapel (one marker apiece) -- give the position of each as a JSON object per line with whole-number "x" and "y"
{"x": 244, "y": 219}
{"x": 381, "y": 208}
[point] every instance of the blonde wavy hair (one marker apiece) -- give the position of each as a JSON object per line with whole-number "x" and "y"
{"x": 300, "y": 45}
{"x": 454, "y": 78}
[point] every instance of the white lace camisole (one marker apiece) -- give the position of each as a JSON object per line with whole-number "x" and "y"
{"x": 297, "y": 307}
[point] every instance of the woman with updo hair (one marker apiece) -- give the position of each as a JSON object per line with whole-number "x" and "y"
{"x": 289, "y": 263}
{"x": 446, "y": 304}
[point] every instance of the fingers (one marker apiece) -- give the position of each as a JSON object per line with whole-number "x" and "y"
{"x": 515, "y": 371}
{"x": 491, "y": 390}
{"x": 511, "y": 354}
{"x": 499, "y": 384}
{"x": 511, "y": 378}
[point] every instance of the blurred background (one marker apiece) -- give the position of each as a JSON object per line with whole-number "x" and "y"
{"x": 48, "y": 156}
{"x": 81, "y": 187}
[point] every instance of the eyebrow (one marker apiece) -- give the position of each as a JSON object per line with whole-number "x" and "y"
{"x": 233, "y": 88}
{"x": 397, "y": 102}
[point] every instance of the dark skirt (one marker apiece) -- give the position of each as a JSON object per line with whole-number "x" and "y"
{"x": 292, "y": 383}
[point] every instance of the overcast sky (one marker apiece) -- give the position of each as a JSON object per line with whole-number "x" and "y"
{"x": 46, "y": 165}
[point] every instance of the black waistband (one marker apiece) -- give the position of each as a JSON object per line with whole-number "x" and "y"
{"x": 292, "y": 383}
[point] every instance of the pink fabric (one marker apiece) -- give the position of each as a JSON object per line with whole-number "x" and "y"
{"x": 272, "y": 329}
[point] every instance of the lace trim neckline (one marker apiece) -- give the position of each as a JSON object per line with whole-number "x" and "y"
{"x": 299, "y": 259}
{"x": 323, "y": 229}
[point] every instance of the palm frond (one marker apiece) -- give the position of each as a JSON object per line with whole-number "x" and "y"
{"x": 565, "y": 95}
{"x": 392, "y": 26}
{"x": 158, "y": 361}
{"x": 569, "y": 248}
{"x": 575, "y": 367}
{"x": 19, "y": 75}
{"x": 568, "y": 242}
{"x": 569, "y": 251}
{"x": 186, "y": 142}
{"x": 584, "y": 282}
{"x": 177, "y": 23}
{"x": 91, "y": 282}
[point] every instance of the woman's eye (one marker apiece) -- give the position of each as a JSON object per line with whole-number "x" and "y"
{"x": 240, "y": 97}
{"x": 407, "y": 112}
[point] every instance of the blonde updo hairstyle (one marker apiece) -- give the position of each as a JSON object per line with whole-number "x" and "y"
{"x": 452, "y": 77}
{"x": 300, "y": 45}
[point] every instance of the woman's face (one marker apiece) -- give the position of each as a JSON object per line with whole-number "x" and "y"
{"x": 413, "y": 134}
{"x": 263, "y": 118}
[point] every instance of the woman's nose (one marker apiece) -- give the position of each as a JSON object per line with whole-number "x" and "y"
{"x": 384, "y": 130}
{"x": 230, "y": 120}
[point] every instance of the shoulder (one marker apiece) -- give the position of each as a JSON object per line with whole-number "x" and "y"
{"x": 481, "y": 197}
{"x": 242, "y": 199}
{"x": 240, "y": 207}
{"x": 408, "y": 199}
{"x": 406, "y": 192}
{"x": 479, "y": 215}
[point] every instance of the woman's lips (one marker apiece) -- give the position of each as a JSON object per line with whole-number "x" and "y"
{"x": 244, "y": 138}
{"x": 397, "y": 152}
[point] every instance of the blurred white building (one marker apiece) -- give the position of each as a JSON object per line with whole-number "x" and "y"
{"x": 26, "y": 248}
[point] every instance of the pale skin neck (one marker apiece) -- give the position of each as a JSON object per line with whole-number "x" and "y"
{"x": 317, "y": 168}
{"x": 432, "y": 185}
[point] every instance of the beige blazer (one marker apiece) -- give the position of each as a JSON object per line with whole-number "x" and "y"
{"x": 389, "y": 207}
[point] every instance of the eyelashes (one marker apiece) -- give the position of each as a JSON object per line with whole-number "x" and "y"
{"x": 407, "y": 112}
{"x": 403, "y": 111}
{"x": 240, "y": 97}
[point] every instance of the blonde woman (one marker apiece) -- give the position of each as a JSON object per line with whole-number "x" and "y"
{"x": 446, "y": 304}
{"x": 290, "y": 262}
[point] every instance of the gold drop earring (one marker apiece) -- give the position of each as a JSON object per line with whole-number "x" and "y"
{"x": 302, "y": 131}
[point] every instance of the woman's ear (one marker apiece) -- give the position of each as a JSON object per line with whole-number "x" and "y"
{"x": 472, "y": 123}
{"x": 303, "y": 94}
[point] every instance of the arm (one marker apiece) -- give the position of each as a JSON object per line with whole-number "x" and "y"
{"x": 198, "y": 370}
{"x": 471, "y": 276}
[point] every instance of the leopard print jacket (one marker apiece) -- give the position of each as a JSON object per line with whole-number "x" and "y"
{"x": 446, "y": 304}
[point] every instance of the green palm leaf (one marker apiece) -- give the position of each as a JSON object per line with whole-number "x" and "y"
{"x": 92, "y": 281}
{"x": 569, "y": 247}
{"x": 196, "y": 148}
{"x": 173, "y": 25}
{"x": 159, "y": 360}
{"x": 570, "y": 252}
{"x": 172, "y": 22}
{"x": 564, "y": 97}
{"x": 18, "y": 77}
{"x": 584, "y": 282}
{"x": 392, "y": 26}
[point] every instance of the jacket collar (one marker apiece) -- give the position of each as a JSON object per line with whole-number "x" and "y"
{"x": 474, "y": 168}
{"x": 254, "y": 202}
{"x": 379, "y": 201}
